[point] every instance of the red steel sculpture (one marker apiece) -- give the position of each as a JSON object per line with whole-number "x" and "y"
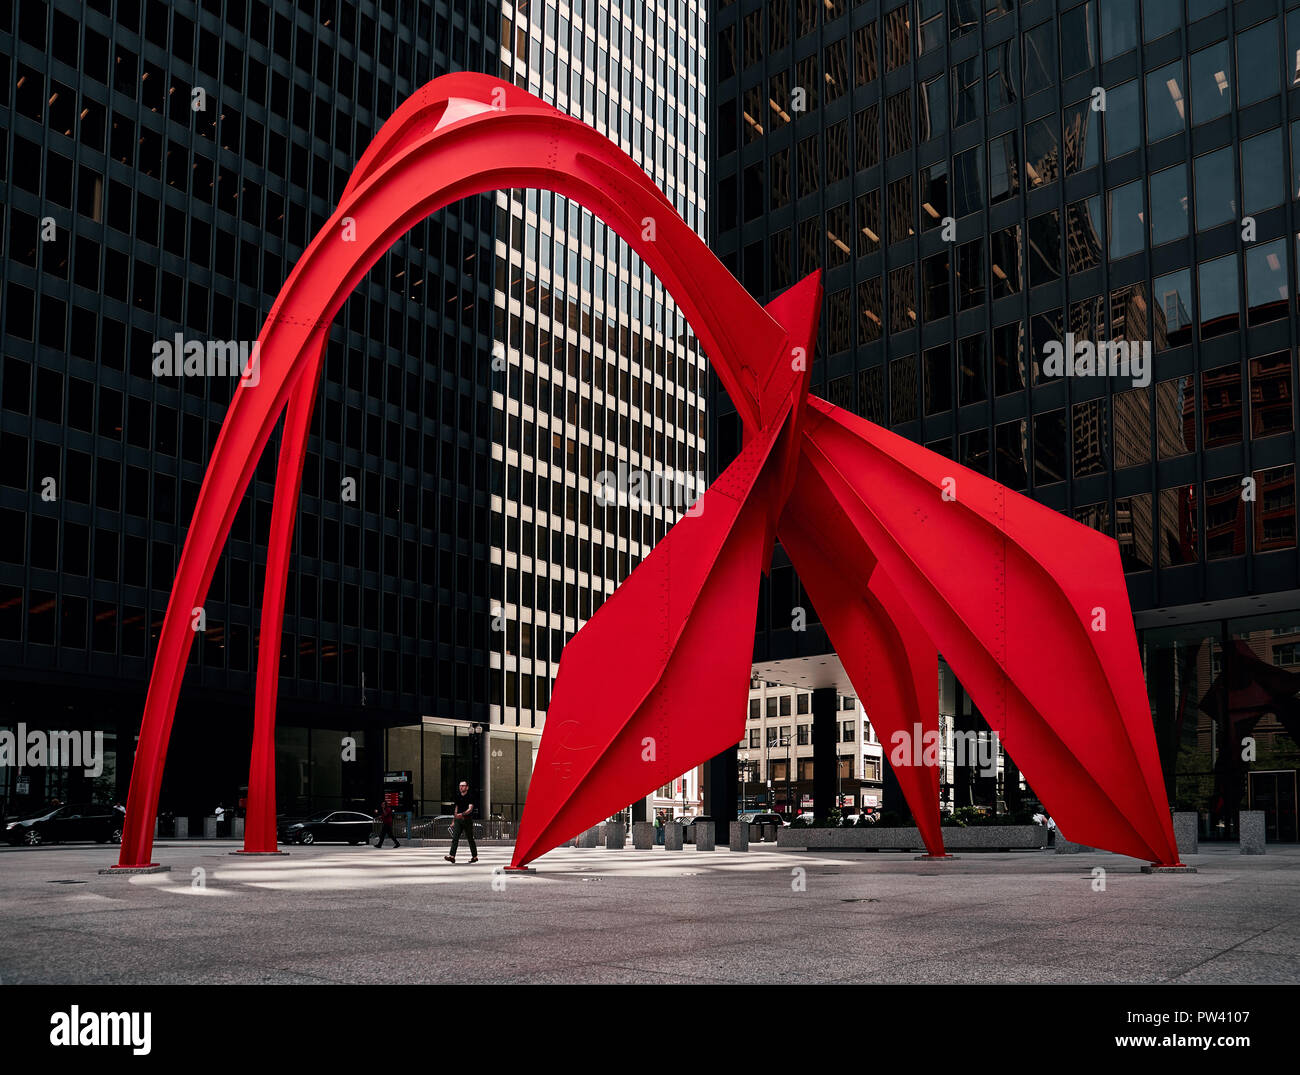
{"x": 904, "y": 553}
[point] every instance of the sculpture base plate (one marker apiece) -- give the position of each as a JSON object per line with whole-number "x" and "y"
{"x": 255, "y": 853}
{"x": 521, "y": 869}
{"x": 118, "y": 871}
{"x": 937, "y": 858}
{"x": 1180, "y": 868}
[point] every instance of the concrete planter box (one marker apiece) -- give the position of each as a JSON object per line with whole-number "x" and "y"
{"x": 860, "y": 838}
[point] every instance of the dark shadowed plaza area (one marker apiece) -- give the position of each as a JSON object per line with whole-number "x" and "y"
{"x": 360, "y": 915}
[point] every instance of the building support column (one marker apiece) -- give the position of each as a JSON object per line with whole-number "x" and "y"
{"x": 721, "y": 788}
{"x": 825, "y": 737}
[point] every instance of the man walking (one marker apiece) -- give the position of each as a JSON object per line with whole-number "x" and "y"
{"x": 386, "y": 819}
{"x": 464, "y": 823}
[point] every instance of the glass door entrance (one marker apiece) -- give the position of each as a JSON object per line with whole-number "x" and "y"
{"x": 1275, "y": 793}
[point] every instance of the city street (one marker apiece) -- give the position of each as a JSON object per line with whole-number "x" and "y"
{"x": 359, "y": 915}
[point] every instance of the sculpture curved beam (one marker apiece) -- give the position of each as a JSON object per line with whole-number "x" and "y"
{"x": 459, "y": 135}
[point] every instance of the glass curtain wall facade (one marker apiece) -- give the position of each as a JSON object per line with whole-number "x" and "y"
{"x": 980, "y": 178}
{"x": 603, "y": 377}
{"x": 162, "y": 165}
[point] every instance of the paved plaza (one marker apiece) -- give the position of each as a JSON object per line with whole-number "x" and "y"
{"x": 340, "y": 914}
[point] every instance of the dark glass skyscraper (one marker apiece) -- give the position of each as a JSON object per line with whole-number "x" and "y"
{"x": 162, "y": 165}
{"x": 982, "y": 179}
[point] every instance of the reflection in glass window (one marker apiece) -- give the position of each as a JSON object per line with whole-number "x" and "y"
{"x": 970, "y": 274}
{"x": 1175, "y": 417}
{"x": 779, "y": 260}
{"x": 965, "y": 92}
{"x": 968, "y": 181}
{"x": 1083, "y": 243}
{"x": 1088, "y": 319}
{"x": 934, "y": 195}
{"x": 810, "y": 180}
{"x": 837, "y": 151}
{"x": 1220, "y": 307}
{"x": 837, "y": 325}
{"x": 932, "y": 108}
{"x": 866, "y": 137}
{"x": 1258, "y": 60}
{"x": 935, "y": 293}
{"x": 1123, "y": 126}
{"x": 1049, "y": 447}
{"x": 1044, "y": 248}
{"x": 1263, "y": 175}
{"x": 1089, "y": 437}
{"x": 1004, "y": 167}
{"x": 898, "y": 38}
{"x": 838, "y": 250}
{"x": 1216, "y": 189}
{"x": 1000, "y": 75}
{"x": 904, "y": 398}
{"x": 868, "y": 224}
{"x": 1009, "y": 358}
{"x": 870, "y": 310}
{"x": 1124, "y": 219}
{"x": 1160, "y": 18}
{"x": 1040, "y": 57}
{"x": 973, "y": 450}
{"x": 1130, "y": 313}
{"x": 1225, "y": 519}
{"x": 1169, "y": 205}
{"x": 972, "y": 380}
{"x": 1078, "y": 40}
{"x": 1267, "y": 293}
{"x": 1221, "y": 406}
{"x": 898, "y": 123}
{"x": 1270, "y": 394}
{"x": 1198, "y": 9}
{"x": 1275, "y": 525}
{"x": 778, "y": 24}
{"x": 902, "y": 299}
{"x": 865, "y": 64}
{"x": 1044, "y": 328}
{"x": 1080, "y": 139}
{"x": 1042, "y": 153}
{"x": 1132, "y": 413}
{"x": 1118, "y": 27}
{"x": 902, "y": 211}
{"x": 779, "y": 177}
{"x": 1009, "y": 458}
{"x": 1166, "y": 102}
{"x": 837, "y": 70}
{"x": 931, "y": 34}
{"x": 1178, "y": 526}
{"x": 938, "y": 379}
{"x": 1005, "y": 261}
{"x": 1133, "y": 532}
{"x": 1172, "y": 302}
{"x": 1211, "y": 83}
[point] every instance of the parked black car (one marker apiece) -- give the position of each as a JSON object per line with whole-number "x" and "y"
{"x": 61, "y": 824}
{"x": 338, "y": 825}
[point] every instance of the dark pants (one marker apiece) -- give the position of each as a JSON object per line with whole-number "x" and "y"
{"x": 388, "y": 832}
{"x": 463, "y": 826}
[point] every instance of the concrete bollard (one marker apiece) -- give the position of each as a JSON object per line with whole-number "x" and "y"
{"x": 209, "y": 828}
{"x": 739, "y": 836}
{"x": 614, "y": 837}
{"x": 182, "y": 828}
{"x": 705, "y": 839}
{"x": 589, "y": 838}
{"x": 643, "y": 835}
{"x": 673, "y": 836}
{"x": 1186, "y": 823}
{"x": 1250, "y": 830}
{"x": 239, "y": 828}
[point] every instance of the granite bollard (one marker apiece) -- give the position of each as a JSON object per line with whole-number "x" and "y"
{"x": 1250, "y": 830}
{"x": 705, "y": 839}
{"x": 673, "y": 836}
{"x": 739, "y": 836}
{"x": 615, "y": 836}
{"x": 643, "y": 835}
{"x": 182, "y": 828}
{"x": 590, "y": 837}
{"x": 1186, "y": 823}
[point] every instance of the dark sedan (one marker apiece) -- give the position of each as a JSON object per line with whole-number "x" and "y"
{"x": 345, "y": 826}
{"x": 62, "y": 824}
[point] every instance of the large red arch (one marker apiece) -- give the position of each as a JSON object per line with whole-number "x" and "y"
{"x": 809, "y": 472}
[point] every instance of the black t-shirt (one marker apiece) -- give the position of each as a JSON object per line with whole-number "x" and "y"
{"x": 462, "y": 802}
